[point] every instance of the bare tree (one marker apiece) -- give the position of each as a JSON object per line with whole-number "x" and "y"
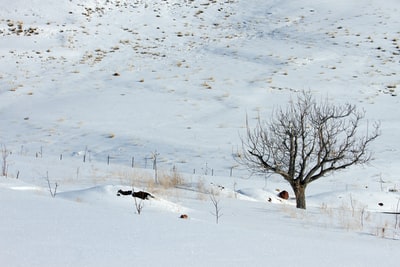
{"x": 215, "y": 202}
{"x": 306, "y": 141}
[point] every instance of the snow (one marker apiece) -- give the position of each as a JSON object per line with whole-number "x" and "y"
{"x": 88, "y": 88}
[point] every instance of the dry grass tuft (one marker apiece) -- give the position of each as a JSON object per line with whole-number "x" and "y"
{"x": 170, "y": 180}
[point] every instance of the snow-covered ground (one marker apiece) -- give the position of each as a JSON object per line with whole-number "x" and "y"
{"x": 113, "y": 83}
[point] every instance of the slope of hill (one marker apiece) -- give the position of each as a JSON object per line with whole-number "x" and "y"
{"x": 118, "y": 82}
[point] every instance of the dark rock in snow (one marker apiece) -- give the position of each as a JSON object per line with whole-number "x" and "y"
{"x": 139, "y": 194}
{"x": 284, "y": 194}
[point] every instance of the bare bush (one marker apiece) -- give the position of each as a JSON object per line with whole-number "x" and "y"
{"x": 52, "y": 191}
{"x": 4, "y": 155}
{"x": 138, "y": 204}
{"x": 154, "y": 157}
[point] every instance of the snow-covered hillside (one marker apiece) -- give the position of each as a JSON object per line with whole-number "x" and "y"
{"x": 117, "y": 82}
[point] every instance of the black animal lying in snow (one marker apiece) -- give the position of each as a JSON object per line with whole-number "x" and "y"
{"x": 139, "y": 194}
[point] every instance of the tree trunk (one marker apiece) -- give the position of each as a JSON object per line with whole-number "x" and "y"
{"x": 299, "y": 191}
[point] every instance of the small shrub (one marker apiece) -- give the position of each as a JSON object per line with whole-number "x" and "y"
{"x": 53, "y": 191}
{"x": 138, "y": 205}
{"x": 4, "y": 155}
